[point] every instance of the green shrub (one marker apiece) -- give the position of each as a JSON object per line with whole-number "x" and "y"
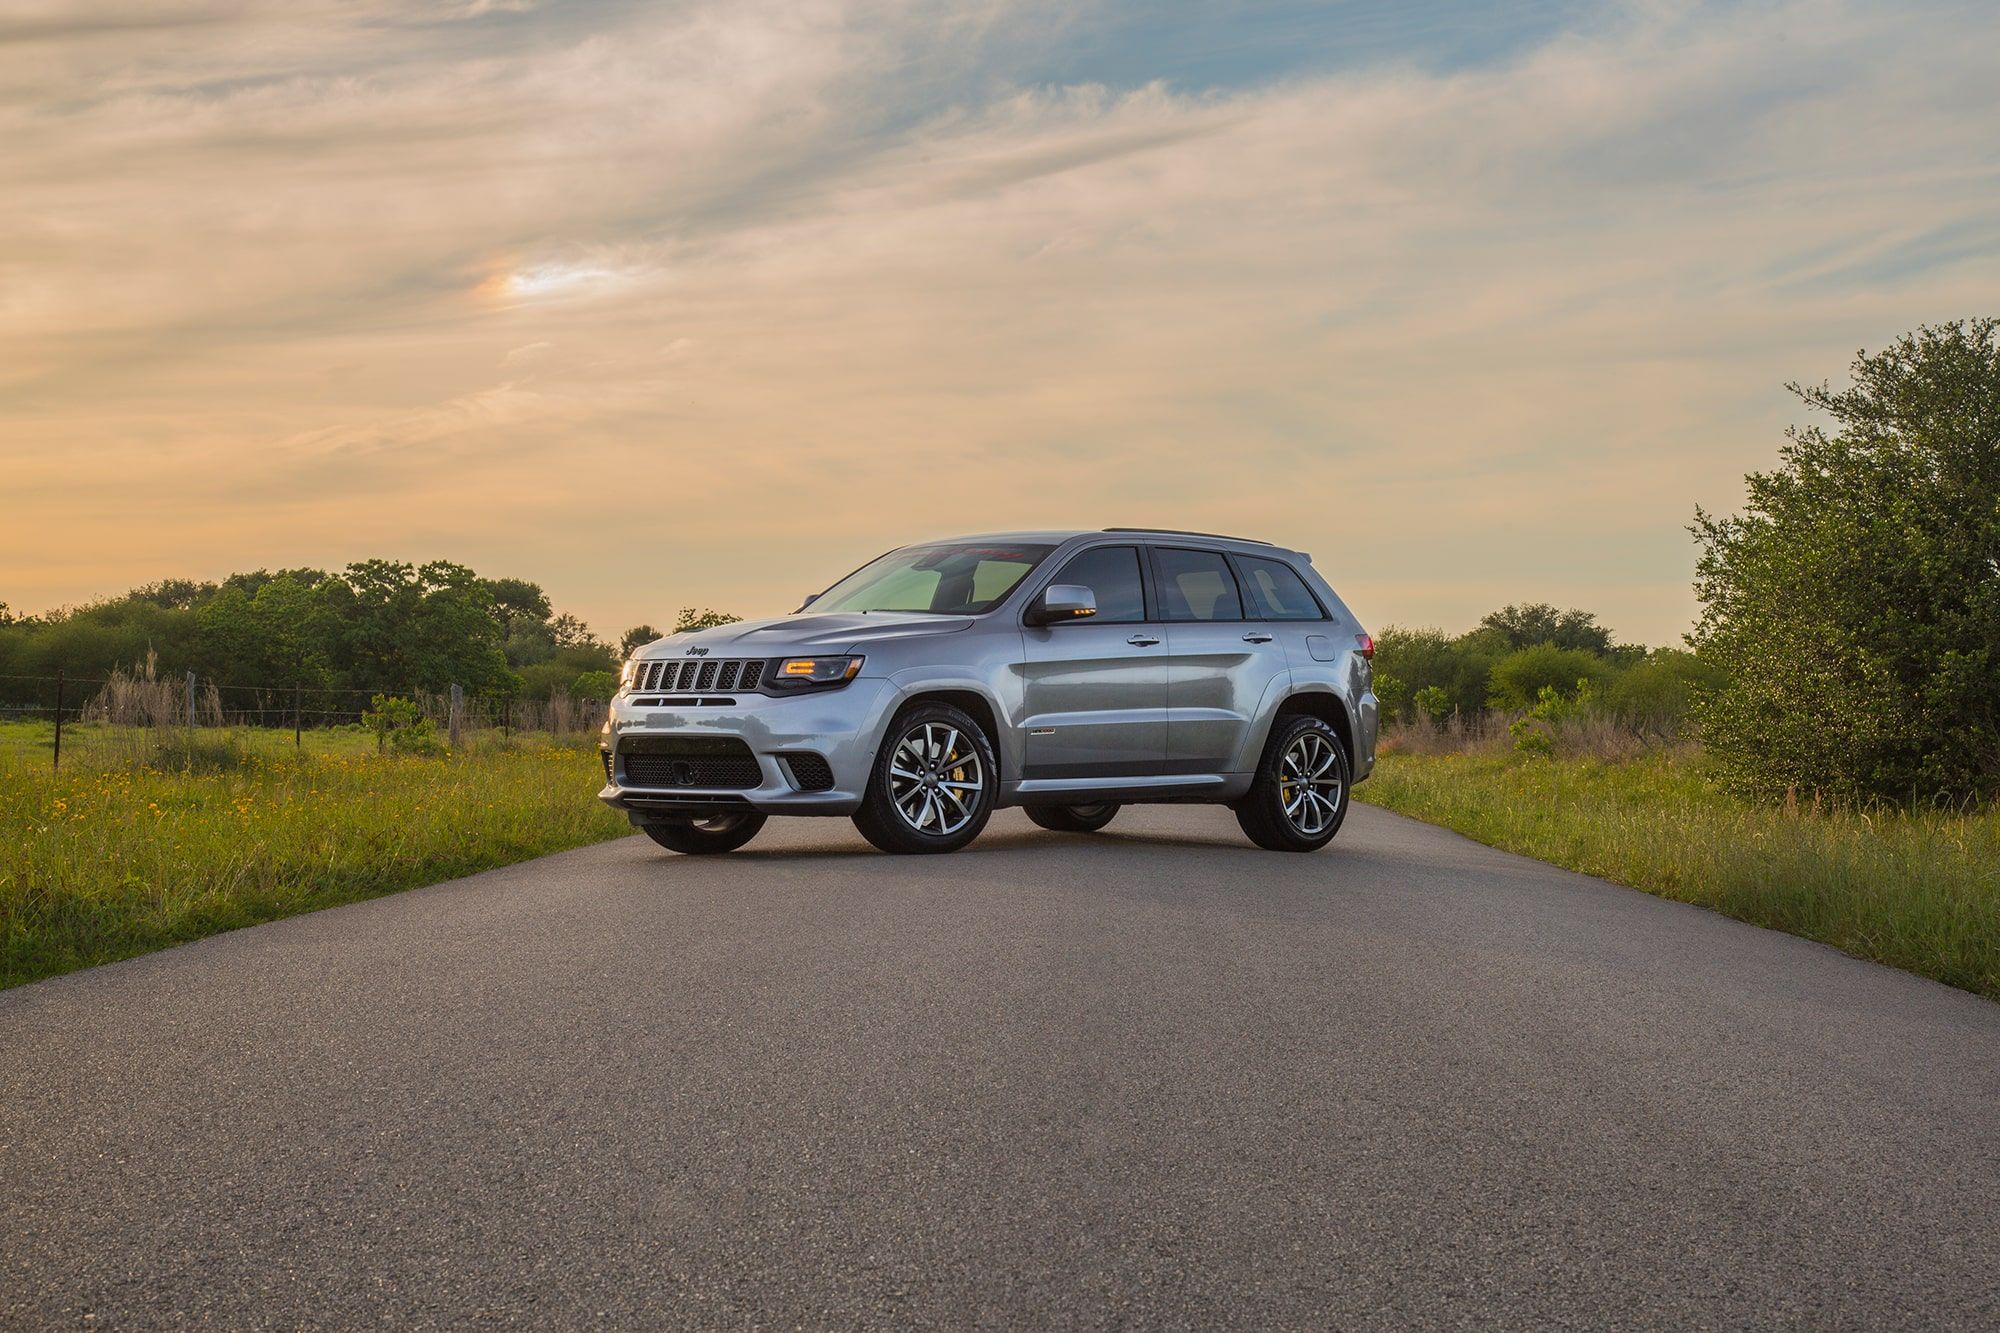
{"x": 1658, "y": 695}
{"x": 1520, "y": 679}
{"x": 401, "y": 727}
{"x": 597, "y": 685}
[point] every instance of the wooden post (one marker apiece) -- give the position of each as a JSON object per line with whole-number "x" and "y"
{"x": 59, "y": 703}
{"x": 298, "y": 725}
{"x": 457, "y": 711}
{"x": 190, "y": 718}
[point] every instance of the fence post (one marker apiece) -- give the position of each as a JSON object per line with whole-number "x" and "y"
{"x": 57, "y": 766}
{"x": 298, "y": 726}
{"x": 190, "y": 718}
{"x": 457, "y": 710}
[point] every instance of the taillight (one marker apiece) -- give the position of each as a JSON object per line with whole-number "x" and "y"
{"x": 1365, "y": 645}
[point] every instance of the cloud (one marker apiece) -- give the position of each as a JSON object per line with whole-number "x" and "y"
{"x": 1470, "y": 334}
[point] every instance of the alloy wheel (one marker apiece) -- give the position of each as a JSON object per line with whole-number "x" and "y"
{"x": 936, "y": 778}
{"x": 1310, "y": 783}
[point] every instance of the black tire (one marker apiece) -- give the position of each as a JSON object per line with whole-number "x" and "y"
{"x": 1074, "y": 818}
{"x": 1280, "y": 813}
{"x": 962, "y": 785}
{"x": 707, "y": 835}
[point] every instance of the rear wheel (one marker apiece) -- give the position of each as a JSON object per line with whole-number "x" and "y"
{"x": 1299, "y": 797}
{"x": 934, "y": 783}
{"x": 705, "y": 835}
{"x": 1074, "y": 818}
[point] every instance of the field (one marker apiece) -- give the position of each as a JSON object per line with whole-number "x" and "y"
{"x": 1918, "y": 891}
{"x": 113, "y": 857}
{"x": 147, "y": 839}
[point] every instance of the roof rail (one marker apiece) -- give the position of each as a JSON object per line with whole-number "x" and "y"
{"x": 1183, "y": 532}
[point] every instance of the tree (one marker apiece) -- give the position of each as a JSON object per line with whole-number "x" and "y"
{"x": 1854, "y": 605}
{"x": 570, "y": 632}
{"x": 637, "y": 637}
{"x": 280, "y": 636}
{"x": 1537, "y": 622}
{"x": 430, "y": 626}
{"x": 174, "y": 594}
{"x": 518, "y": 599}
{"x": 1416, "y": 660}
{"x": 691, "y": 619}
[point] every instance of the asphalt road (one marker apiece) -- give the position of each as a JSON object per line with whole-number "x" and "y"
{"x": 1151, "y": 1077}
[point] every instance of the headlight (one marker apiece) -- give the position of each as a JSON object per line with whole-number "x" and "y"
{"x": 627, "y": 672}
{"x": 801, "y": 671}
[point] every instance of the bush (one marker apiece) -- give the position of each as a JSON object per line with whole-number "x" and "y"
{"x": 400, "y": 725}
{"x": 1519, "y": 679}
{"x": 1855, "y": 604}
{"x": 1432, "y": 702}
{"x": 1658, "y": 695}
{"x": 595, "y": 685}
{"x": 1418, "y": 659}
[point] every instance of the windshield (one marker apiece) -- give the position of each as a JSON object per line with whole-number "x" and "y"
{"x": 953, "y": 578}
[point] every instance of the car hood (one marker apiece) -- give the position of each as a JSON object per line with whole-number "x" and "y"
{"x": 806, "y": 633}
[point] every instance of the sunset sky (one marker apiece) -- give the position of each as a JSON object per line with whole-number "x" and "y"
{"x": 664, "y": 304}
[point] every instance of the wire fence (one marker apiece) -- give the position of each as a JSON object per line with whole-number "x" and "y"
{"x": 190, "y": 721}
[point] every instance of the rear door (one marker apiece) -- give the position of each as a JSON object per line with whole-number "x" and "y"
{"x": 1222, "y": 665}
{"x": 1094, "y": 691}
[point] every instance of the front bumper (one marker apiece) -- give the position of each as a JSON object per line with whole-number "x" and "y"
{"x": 843, "y": 725}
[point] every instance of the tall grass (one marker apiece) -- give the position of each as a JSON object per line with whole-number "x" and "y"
{"x": 1919, "y": 890}
{"x": 106, "y": 862}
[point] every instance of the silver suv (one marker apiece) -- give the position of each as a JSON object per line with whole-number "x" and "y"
{"x": 1068, "y": 673}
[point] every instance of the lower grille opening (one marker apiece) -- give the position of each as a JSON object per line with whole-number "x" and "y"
{"x": 810, "y": 772}
{"x": 689, "y": 761}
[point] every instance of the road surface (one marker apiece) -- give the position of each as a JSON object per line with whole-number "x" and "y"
{"x": 1151, "y": 1077}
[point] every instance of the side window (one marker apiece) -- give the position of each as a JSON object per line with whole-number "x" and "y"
{"x": 1196, "y": 585}
{"x": 1276, "y": 591}
{"x": 1112, "y": 574}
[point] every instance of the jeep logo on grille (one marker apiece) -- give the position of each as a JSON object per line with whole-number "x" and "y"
{"x": 697, "y": 652}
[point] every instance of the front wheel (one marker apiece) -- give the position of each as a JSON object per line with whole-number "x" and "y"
{"x": 1299, "y": 797}
{"x": 1073, "y": 818}
{"x": 934, "y": 783}
{"x": 706, "y": 836}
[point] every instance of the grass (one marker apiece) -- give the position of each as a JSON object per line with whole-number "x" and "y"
{"x": 1916, "y": 890}
{"x": 106, "y": 861}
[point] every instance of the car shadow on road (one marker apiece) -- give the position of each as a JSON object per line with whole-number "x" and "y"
{"x": 993, "y": 844}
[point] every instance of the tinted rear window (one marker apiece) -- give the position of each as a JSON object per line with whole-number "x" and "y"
{"x": 1276, "y": 591}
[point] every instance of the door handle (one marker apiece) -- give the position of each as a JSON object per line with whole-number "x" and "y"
{"x": 1142, "y": 641}
{"x": 1256, "y": 636}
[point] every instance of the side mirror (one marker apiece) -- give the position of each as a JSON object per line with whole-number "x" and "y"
{"x": 1062, "y": 602}
{"x": 811, "y": 597}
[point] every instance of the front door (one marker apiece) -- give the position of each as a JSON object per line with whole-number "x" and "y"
{"x": 1222, "y": 666}
{"x": 1094, "y": 691}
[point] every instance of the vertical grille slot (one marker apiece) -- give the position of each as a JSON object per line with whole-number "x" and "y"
{"x": 726, "y": 675}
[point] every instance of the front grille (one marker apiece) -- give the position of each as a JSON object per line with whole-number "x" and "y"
{"x": 810, "y": 772}
{"x": 721, "y": 675}
{"x": 689, "y": 761}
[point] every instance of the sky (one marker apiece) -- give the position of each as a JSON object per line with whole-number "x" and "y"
{"x": 666, "y": 304}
